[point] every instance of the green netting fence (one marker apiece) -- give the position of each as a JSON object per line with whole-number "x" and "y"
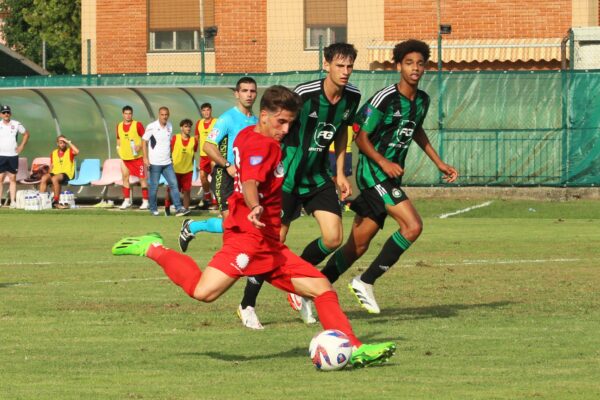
{"x": 497, "y": 128}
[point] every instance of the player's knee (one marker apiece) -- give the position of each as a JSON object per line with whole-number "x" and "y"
{"x": 204, "y": 295}
{"x": 332, "y": 242}
{"x": 413, "y": 231}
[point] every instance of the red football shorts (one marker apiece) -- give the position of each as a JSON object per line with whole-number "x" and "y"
{"x": 136, "y": 167}
{"x": 246, "y": 254}
{"x": 184, "y": 181}
{"x": 205, "y": 164}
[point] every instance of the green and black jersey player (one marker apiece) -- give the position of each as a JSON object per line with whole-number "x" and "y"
{"x": 388, "y": 122}
{"x": 328, "y": 107}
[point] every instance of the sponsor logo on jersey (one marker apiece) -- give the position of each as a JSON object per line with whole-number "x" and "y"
{"x": 313, "y": 115}
{"x": 403, "y": 134}
{"x": 323, "y": 136}
{"x": 397, "y": 114}
{"x": 255, "y": 160}
{"x": 279, "y": 171}
{"x": 346, "y": 114}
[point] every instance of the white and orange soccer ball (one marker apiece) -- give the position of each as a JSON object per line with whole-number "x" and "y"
{"x": 330, "y": 350}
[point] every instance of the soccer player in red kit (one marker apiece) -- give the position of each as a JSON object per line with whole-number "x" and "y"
{"x": 251, "y": 244}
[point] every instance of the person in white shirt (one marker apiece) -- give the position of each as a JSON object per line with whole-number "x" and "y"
{"x": 9, "y": 152}
{"x": 157, "y": 157}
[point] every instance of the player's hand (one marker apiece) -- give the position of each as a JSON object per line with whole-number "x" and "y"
{"x": 231, "y": 170}
{"x": 344, "y": 187}
{"x": 391, "y": 169}
{"x": 450, "y": 173}
{"x": 254, "y": 216}
{"x": 146, "y": 162}
{"x": 19, "y": 149}
{"x": 138, "y": 148}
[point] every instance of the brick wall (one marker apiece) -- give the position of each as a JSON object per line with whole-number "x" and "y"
{"x": 121, "y": 36}
{"x": 241, "y": 43}
{"x": 483, "y": 19}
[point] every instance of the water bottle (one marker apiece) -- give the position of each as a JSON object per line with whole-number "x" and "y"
{"x": 27, "y": 202}
{"x": 132, "y": 144}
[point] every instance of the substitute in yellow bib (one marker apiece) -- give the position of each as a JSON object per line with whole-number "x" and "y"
{"x": 183, "y": 150}
{"x": 203, "y": 127}
{"x": 63, "y": 168}
{"x": 129, "y": 148}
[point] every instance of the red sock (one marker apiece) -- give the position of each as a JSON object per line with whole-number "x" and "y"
{"x": 331, "y": 315}
{"x": 126, "y": 192}
{"x": 145, "y": 193}
{"x": 181, "y": 269}
{"x": 168, "y": 198}
{"x": 207, "y": 197}
{"x": 56, "y": 198}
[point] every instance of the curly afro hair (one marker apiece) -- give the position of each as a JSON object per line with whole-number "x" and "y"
{"x": 411, "y": 46}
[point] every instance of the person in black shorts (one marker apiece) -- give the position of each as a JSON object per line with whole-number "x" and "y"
{"x": 387, "y": 123}
{"x": 9, "y": 151}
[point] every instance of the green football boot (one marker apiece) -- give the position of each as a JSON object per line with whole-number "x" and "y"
{"x": 137, "y": 245}
{"x": 371, "y": 354}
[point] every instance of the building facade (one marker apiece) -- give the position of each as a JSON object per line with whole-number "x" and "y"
{"x": 147, "y": 36}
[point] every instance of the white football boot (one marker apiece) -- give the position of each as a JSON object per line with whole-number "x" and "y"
{"x": 249, "y": 317}
{"x": 364, "y": 295}
{"x": 126, "y": 204}
{"x": 144, "y": 205}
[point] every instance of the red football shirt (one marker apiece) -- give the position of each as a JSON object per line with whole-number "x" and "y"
{"x": 257, "y": 157}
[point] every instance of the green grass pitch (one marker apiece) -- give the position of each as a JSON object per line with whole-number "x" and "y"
{"x": 502, "y": 302}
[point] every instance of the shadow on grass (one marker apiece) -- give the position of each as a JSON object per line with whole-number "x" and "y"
{"x": 297, "y": 352}
{"x": 410, "y": 313}
{"x": 11, "y": 284}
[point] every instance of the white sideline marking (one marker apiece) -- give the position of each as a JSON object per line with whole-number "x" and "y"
{"x": 414, "y": 265}
{"x": 464, "y": 210}
{"x": 59, "y": 263}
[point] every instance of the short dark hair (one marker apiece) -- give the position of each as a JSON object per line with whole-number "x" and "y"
{"x": 245, "y": 79}
{"x": 206, "y": 105}
{"x": 343, "y": 50}
{"x": 278, "y": 97}
{"x": 411, "y": 46}
{"x": 186, "y": 121}
{"x": 127, "y": 108}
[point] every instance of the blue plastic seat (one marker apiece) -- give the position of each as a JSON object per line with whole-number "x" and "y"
{"x": 88, "y": 172}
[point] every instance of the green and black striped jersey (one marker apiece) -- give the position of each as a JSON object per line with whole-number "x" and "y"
{"x": 390, "y": 120}
{"x": 306, "y": 146}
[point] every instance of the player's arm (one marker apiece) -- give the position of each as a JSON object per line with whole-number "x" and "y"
{"x": 74, "y": 149}
{"x": 420, "y": 137}
{"x": 145, "y": 140}
{"x": 141, "y": 131}
{"x": 251, "y": 198}
{"x": 390, "y": 168}
{"x": 340, "y": 144}
{"x": 24, "y": 141}
{"x": 211, "y": 148}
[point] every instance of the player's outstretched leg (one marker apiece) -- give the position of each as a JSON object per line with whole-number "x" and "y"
{"x": 181, "y": 269}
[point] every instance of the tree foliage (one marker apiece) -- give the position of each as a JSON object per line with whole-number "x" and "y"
{"x": 58, "y": 22}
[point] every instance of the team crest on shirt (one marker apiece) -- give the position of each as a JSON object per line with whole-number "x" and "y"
{"x": 397, "y": 193}
{"x": 213, "y": 135}
{"x": 255, "y": 160}
{"x": 279, "y": 171}
{"x": 322, "y": 137}
{"x": 241, "y": 261}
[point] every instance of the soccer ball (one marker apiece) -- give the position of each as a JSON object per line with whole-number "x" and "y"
{"x": 330, "y": 350}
